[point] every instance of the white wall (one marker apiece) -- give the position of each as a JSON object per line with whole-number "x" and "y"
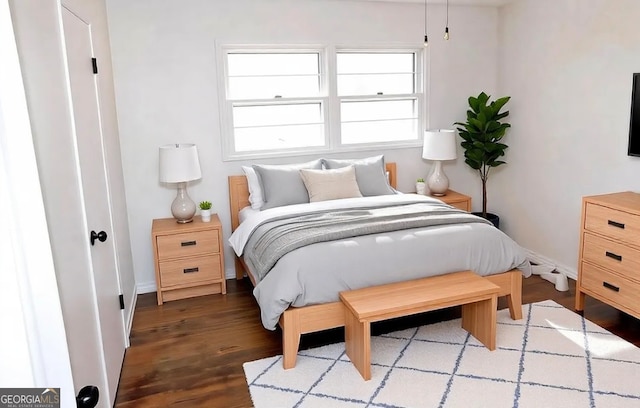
{"x": 166, "y": 89}
{"x": 568, "y": 66}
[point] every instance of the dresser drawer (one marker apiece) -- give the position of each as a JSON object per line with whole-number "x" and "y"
{"x": 623, "y": 292}
{"x": 612, "y": 255}
{"x": 187, "y": 244}
{"x": 612, "y": 223}
{"x": 192, "y": 270}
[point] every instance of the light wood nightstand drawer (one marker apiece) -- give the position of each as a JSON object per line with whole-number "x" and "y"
{"x": 622, "y": 292}
{"x": 188, "y": 244}
{"x": 461, "y": 205}
{"x": 192, "y": 270}
{"x": 612, "y": 223}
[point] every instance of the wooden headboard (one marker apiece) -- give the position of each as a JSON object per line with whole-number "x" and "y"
{"x": 239, "y": 193}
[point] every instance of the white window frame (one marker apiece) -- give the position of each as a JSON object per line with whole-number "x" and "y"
{"x": 328, "y": 98}
{"x": 419, "y": 96}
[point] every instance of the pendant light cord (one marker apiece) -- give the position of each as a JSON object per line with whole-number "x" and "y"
{"x": 426, "y": 39}
{"x": 447, "y": 13}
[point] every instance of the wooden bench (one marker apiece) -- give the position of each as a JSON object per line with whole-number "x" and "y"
{"x": 477, "y": 295}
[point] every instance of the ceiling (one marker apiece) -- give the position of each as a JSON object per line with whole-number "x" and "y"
{"x": 489, "y": 3}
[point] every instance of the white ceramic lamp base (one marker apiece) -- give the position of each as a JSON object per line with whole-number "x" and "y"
{"x": 438, "y": 182}
{"x": 183, "y": 208}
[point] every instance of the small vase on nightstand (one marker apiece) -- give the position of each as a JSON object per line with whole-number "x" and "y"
{"x": 420, "y": 186}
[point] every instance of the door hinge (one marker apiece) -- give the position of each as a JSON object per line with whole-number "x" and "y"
{"x": 94, "y": 62}
{"x": 121, "y": 302}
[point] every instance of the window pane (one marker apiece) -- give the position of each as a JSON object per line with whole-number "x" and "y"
{"x": 257, "y": 64}
{"x": 376, "y": 73}
{"x": 265, "y": 75}
{"x": 378, "y": 110}
{"x": 269, "y": 87}
{"x": 269, "y": 115}
{"x": 278, "y": 137}
{"x": 379, "y": 131}
{"x": 375, "y": 63}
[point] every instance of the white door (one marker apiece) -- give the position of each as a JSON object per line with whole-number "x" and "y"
{"x": 88, "y": 133}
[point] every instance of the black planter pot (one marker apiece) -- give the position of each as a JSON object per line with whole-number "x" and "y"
{"x": 495, "y": 220}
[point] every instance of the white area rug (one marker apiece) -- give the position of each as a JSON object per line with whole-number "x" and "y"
{"x": 551, "y": 358}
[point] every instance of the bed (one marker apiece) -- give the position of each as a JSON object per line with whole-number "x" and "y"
{"x": 297, "y": 320}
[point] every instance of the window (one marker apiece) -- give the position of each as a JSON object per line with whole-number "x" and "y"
{"x": 379, "y": 99}
{"x": 293, "y": 101}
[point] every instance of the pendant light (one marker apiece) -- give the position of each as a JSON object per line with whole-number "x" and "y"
{"x": 446, "y": 28}
{"x": 426, "y": 39}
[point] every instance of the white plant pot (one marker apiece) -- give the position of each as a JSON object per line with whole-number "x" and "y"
{"x": 206, "y": 215}
{"x": 420, "y": 188}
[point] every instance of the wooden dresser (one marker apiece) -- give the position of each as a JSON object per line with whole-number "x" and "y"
{"x": 188, "y": 258}
{"x": 609, "y": 258}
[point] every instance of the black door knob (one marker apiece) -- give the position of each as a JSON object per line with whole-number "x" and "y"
{"x": 88, "y": 397}
{"x": 100, "y": 236}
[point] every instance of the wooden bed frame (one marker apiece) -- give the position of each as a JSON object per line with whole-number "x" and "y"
{"x": 296, "y": 321}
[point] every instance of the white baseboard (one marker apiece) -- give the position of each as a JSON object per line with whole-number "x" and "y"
{"x": 543, "y": 260}
{"x": 146, "y": 287}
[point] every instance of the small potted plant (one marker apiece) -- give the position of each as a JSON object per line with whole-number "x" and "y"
{"x": 420, "y": 184}
{"x": 205, "y": 211}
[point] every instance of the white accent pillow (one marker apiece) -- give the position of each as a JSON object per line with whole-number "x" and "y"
{"x": 324, "y": 185}
{"x": 255, "y": 190}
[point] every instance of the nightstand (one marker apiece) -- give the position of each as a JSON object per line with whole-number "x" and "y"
{"x": 456, "y": 199}
{"x": 188, "y": 258}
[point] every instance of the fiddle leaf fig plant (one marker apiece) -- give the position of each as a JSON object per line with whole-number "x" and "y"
{"x": 481, "y": 137}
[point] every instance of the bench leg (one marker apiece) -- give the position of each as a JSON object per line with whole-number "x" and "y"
{"x": 357, "y": 336}
{"x": 479, "y": 319}
{"x": 514, "y": 298}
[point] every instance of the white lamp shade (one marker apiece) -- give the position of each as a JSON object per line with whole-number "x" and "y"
{"x": 179, "y": 163}
{"x": 439, "y": 144}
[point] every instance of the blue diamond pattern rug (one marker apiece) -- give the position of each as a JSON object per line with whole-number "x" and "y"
{"x": 551, "y": 358}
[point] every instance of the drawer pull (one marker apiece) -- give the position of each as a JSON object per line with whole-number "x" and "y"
{"x": 188, "y": 243}
{"x": 613, "y": 256}
{"x": 190, "y": 270}
{"x": 616, "y": 224}
{"x": 610, "y": 286}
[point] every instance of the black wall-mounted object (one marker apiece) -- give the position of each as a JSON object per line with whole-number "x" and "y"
{"x": 634, "y": 126}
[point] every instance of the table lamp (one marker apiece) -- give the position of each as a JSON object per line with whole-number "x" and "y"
{"x": 179, "y": 164}
{"x": 439, "y": 145}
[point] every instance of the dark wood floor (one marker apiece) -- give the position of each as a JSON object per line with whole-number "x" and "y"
{"x": 189, "y": 353}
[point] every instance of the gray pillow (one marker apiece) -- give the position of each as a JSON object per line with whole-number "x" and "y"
{"x": 282, "y": 184}
{"x": 370, "y": 173}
